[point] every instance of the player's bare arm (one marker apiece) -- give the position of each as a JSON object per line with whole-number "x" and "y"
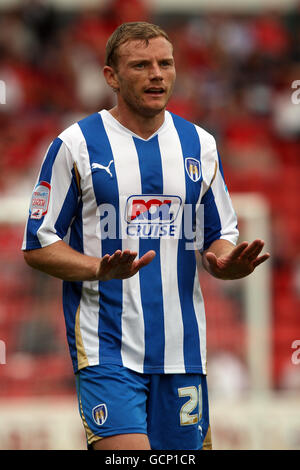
{"x": 225, "y": 261}
{"x": 62, "y": 261}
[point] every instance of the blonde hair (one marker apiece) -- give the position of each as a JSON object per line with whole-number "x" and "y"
{"x": 129, "y": 31}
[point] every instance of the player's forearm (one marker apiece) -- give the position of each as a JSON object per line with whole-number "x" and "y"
{"x": 61, "y": 261}
{"x": 220, "y": 248}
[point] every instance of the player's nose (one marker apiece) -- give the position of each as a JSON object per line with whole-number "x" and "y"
{"x": 155, "y": 72}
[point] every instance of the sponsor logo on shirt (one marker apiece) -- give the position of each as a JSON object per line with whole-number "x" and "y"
{"x": 40, "y": 200}
{"x": 152, "y": 215}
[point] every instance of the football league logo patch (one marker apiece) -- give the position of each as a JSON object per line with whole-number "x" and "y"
{"x": 100, "y": 414}
{"x": 40, "y": 200}
{"x": 193, "y": 168}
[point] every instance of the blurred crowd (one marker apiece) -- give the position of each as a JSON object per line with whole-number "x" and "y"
{"x": 235, "y": 76}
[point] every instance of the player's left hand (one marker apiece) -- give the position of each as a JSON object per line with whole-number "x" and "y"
{"x": 240, "y": 262}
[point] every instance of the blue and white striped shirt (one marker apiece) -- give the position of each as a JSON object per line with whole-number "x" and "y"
{"x": 153, "y": 322}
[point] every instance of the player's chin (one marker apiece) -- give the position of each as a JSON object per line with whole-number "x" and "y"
{"x": 156, "y": 99}
{"x": 152, "y": 111}
{"x": 155, "y": 106}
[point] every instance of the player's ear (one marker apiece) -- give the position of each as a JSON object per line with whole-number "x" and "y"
{"x": 111, "y": 78}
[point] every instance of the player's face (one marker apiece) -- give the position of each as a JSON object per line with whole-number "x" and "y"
{"x": 146, "y": 75}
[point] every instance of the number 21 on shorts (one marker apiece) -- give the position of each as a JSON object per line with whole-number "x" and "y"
{"x": 187, "y": 416}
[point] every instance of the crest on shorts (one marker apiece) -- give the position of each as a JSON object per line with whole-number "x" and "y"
{"x": 100, "y": 414}
{"x": 193, "y": 168}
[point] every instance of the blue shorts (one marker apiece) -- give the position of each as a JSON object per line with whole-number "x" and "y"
{"x": 172, "y": 409}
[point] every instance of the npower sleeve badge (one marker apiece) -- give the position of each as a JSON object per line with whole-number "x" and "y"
{"x": 40, "y": 200}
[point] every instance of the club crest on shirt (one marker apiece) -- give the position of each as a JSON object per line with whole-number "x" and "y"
{"x": 40, "y": 200}
{"x": 193, "y": 168}
{"x": 100, "y": 414}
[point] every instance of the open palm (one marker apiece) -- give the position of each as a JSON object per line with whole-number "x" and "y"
{"x": 122, "y": 264}
{"x": 240, "y": 262}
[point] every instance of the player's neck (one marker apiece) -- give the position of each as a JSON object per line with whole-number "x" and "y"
{"x": 143, "y": 126}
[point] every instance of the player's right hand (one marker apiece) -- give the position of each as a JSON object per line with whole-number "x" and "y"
{"x": 122, "y": 264}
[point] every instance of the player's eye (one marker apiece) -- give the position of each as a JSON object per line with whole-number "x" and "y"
{"x": 166, "y": 63}
{"x": 140, "y": 65}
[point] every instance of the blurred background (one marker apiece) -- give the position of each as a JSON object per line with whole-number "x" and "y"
{"x": 238, "y": 64}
